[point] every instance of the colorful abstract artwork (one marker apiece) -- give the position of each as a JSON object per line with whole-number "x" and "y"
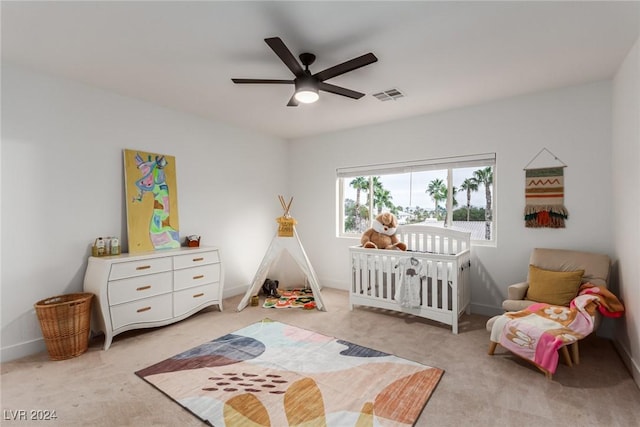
{"x": 152, "y": 201}
{"x": 274, "y": 374}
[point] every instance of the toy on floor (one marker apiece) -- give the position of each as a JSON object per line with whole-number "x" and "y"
{"x": 270, "y": 288}
{"x": 292, "y": 298}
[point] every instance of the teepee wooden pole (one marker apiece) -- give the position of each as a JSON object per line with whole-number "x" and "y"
{"x": 289, "y": 206}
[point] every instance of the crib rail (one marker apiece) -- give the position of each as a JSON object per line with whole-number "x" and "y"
{"x": 438, "y": 240}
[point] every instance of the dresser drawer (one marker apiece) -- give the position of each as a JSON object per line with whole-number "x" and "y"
{"x": 154, "y": 309}
{"x": 188, "y": 299}
{"x": 135, "y": 288}
{"x": 190, "y": 277}
{"x": 122, "y": 270}
{"x": 195, "y": 259}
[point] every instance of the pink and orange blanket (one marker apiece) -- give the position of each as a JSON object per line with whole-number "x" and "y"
{"x": 539, "y": 331}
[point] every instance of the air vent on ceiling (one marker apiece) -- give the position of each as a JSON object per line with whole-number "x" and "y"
{"x": 388, "y": 95}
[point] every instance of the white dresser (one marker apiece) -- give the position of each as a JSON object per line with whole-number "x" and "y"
{"x": 152, "y": 289}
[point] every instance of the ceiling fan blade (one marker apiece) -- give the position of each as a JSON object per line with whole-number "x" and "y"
{"x": 285, "y": 55}
{"x": 340, "y": 90}
{"x": 262, "y": 81}
{"x": 293, "y": 102}
{"x": 345, "y": 67}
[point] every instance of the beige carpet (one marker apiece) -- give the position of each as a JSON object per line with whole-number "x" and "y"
{"x": 100, "y": 388}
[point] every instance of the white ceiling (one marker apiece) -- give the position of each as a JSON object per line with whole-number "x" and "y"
{"x": 441, "y": 55}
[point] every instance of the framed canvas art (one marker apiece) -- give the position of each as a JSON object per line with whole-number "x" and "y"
{"x": 152, "y": 201}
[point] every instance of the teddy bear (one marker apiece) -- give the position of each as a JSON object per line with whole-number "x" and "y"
{"x": 382, "y": 234}
{"x": 270, "y": 288}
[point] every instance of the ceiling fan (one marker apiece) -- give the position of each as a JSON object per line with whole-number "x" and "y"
{"x": 307, "y": 85}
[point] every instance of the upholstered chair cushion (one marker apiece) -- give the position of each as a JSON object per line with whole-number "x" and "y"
{"x": 553, "y": 287}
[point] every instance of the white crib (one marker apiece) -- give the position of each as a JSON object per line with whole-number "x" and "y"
{"x": 445, "y": 260}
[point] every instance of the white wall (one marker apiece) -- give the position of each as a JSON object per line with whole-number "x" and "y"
{"x": 573, "y": 123}
{"x": 63, "y": 185}
{"x": 626, "y": 176}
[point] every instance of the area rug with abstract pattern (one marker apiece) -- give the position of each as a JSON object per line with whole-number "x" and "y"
{"x": 274, "y": 374}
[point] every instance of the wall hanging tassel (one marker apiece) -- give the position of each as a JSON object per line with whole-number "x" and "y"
{"x": 544, "y": 196}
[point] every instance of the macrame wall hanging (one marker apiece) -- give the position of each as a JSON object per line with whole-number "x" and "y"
{"x": 544, "y": 195}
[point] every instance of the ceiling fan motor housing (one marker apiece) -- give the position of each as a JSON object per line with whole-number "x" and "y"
{"x": 307, "y": 59}
{"x": 306, "y": 81}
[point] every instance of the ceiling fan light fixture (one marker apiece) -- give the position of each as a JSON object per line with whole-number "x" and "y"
{"x": 306, "y": 89}
{"x": 307, "y": 95}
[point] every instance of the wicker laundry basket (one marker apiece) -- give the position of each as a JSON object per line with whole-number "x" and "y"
{"x": 65, "y": 321}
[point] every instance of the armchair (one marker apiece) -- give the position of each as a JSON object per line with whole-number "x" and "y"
{"x": 593, "y": 268}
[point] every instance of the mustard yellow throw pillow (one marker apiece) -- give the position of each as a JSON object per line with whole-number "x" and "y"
{"x": 553, "y": 287}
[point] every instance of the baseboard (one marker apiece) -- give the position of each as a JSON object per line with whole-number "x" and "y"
{"x": 486, "y": 310}
{"x": 334, "y": 284}
{"x": 627, "y": 359}
{"x": 228, "y": 292}
{"x": 17, "y": 351}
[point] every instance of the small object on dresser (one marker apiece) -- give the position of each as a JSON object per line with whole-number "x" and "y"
{"x": 193, "y": 241}
{"x": 115, "y": 246}
{"x": 98, "y": 247}
{"x": 105, "y": 246}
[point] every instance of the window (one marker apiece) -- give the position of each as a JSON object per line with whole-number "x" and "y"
{"x": 453, "y": 191}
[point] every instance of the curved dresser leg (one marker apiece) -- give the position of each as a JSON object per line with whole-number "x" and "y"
{"x": 107, "y": 340}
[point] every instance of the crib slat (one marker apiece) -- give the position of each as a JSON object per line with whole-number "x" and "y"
{"x": 433, "y": 274}
{"x": 389, "y": 269}
{"x": 354, "y": 272}
{"x": 363, "y": 272}
{"x": 379, "y": 273}
{"x": 445, "y": 284}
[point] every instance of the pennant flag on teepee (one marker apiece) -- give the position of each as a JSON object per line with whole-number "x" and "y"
{"x": 544, "y": 198}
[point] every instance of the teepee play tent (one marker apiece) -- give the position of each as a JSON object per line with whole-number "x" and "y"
{"x": 285, "y": 239}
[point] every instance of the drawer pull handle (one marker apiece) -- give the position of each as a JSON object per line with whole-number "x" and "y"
{"x": 140, "y": 310}
{"x": 143, "y": 267}
{"x": 198, "y": 259}
{"x": 200, "y": 276}
{"x": 198, "y": 295}
{"x": 143, "y": 288}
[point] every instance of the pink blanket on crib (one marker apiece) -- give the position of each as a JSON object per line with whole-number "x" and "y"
{"x": 537, "y": 332}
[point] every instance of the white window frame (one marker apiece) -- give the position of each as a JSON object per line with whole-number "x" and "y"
{"x": 445, "y": 163}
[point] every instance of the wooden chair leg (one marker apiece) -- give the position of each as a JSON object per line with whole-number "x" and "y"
{"x": 492, "y": 347}
{"x": 575, "y": 353}
{"x": 548, "y": 375}
{"x": 565, "y": 353}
